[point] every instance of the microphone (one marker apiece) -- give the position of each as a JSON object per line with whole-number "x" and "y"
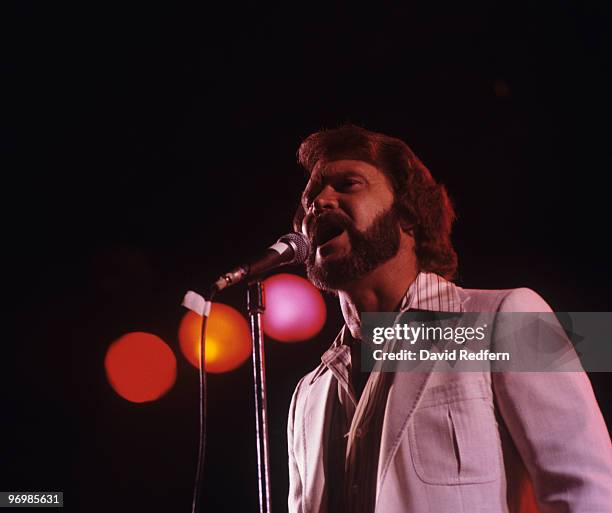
{"x": 291, "y": 248}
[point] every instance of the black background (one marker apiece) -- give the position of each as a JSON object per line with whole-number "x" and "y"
{"x": 148, "y": 148}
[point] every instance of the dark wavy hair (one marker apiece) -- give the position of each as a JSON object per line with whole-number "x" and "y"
{"x": 423, "y": 204}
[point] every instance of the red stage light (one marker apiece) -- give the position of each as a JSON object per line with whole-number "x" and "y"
{"x": 295, "y": 309}
{"x": 228, "y": 339}
{"x": 140, "y": 367}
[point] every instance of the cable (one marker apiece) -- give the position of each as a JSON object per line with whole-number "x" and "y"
{"x": 197, "y": 491}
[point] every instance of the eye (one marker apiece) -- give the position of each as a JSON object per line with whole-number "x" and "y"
{"x": 347, "y": 184}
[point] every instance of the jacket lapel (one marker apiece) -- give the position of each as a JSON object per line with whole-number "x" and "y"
{"x": 407, "y": 388}
{"x": 317, "y": 411}
{"x": 404, "y": 396}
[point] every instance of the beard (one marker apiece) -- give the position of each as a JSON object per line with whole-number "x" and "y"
{"x": 369, "y": 249}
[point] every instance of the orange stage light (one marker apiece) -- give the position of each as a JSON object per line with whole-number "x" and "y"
{"x": 140, "y": 367}
{"x": 228, "y": 339}
{"x": 295, "y": 309}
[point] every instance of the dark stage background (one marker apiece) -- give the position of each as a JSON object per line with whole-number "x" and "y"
{"x": 148, "y": 148}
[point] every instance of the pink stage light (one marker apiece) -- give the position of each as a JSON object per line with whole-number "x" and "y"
{"x": 295, "y": 309}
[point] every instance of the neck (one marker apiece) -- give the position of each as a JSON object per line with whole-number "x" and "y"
{"x": 379, "y": 291}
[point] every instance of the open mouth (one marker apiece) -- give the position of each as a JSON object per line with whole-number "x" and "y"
{"x": 325, "y": 232}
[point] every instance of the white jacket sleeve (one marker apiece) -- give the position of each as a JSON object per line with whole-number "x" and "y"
{"x": 556, "y": 424}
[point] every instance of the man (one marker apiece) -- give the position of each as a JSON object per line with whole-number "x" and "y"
{"x": 416, "y": 442}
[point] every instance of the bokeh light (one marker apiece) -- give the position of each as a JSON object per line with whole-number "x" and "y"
{"x": 228, "y": 339}
{"x": 295, "y": 309}
{"x": 140, "y": 367}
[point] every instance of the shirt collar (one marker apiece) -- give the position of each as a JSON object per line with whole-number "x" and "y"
{"x": 429, "y": 291}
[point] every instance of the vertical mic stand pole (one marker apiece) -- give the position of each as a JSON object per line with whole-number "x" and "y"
{"x": 256, "y": 307}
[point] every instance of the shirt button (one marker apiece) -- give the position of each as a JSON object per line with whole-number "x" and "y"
{"x": 359, "y": 432}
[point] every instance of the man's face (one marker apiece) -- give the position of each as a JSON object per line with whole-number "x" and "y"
{"x": 350, "y": 222}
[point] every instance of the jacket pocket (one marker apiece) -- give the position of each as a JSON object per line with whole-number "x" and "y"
{"x": 454, "y": 439}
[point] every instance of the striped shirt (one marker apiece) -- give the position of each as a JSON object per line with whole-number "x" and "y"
{"x": 355, "y": 426}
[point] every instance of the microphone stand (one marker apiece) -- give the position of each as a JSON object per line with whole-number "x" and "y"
{"x": 291, "y": 248}
{"x": 256, "y": 307}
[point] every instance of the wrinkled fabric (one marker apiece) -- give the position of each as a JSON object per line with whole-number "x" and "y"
{"x": 438, "y": 442}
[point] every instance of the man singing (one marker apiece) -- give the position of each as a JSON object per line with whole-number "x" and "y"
{"x": 422, "y": 442}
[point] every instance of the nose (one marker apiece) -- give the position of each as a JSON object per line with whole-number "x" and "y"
{"x": 325, "y": 200}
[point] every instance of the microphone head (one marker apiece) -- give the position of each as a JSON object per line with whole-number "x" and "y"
{"x": 300, "y": 245}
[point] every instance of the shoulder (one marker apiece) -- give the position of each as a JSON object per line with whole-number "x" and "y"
{"x": 303, "y": 384}
{"x": 317, "y": 372}
{"x": 299, "y": 397}
{"x": 521, "y": 299}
